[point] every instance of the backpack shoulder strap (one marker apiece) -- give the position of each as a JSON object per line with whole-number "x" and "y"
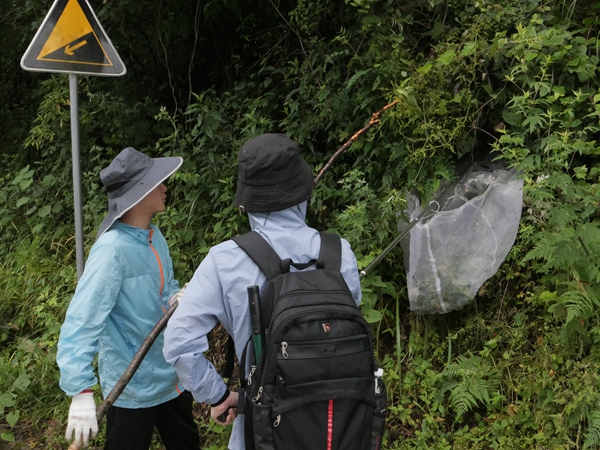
{"x": 330, "y": 255}
{"x": 261, "y": 253}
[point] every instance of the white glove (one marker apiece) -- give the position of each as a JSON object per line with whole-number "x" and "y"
{"x": 175, "y": 297}
{"x": 82, "y": 419}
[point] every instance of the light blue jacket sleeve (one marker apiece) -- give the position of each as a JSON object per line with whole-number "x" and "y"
{"x": 94, "y": 298}
{"x": 349, "y": 271}
{"x": 171, "y": 284}
{"x": 185, "y": 336}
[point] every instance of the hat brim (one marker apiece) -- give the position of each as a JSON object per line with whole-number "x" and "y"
{"x": 162, "y": 169}
{"x": 275, "y": 197}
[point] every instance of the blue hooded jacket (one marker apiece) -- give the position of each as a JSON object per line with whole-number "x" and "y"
{"x": 122, "y": 294}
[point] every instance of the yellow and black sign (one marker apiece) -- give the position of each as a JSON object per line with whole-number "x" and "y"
{"x": 71, "y": 40}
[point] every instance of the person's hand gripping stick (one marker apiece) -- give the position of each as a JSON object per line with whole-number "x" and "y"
{"x": 82, "y": 425}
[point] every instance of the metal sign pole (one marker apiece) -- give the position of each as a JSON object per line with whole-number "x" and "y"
{"x": 76, "y": 174}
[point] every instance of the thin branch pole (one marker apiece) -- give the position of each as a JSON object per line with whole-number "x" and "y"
{"x": 135, "y": 363}
{"x": 374, "y": 120}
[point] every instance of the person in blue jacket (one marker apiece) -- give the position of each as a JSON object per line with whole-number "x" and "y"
{"x": 124, "y": 290}
{"x": 274, "y": 185}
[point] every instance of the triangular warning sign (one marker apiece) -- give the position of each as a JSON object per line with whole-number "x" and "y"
{"x": 71, "y": 40}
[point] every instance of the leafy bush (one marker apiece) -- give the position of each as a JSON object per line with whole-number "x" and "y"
{"x": 518, "y": 368}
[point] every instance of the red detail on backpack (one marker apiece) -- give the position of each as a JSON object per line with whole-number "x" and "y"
{"x": 330, "y": 424}
{"x": 326, "y": 327}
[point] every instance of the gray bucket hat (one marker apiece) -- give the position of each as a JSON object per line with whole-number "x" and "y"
{"x": 129, "y": 178}
{"x": 272, "y": 175}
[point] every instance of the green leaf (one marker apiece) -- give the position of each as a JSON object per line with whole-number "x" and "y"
{"x": 574, "y": 62}
{"x": 533, "y": 121}
{"x": 7, "y": 399}
{"x": 512, "y": 117}
{"x": 557, "y": 39}
{"x": 22, "y": 382}
{"x": 446, "y": 57}
{"x": 12, "y": 418}
{"x": 373, "y": 281}
{"x": 22, "y": 201}
{"x": 57, "y": 207}
{"x": 355, "y": 77}
{"x": 24, "y": 170}
{"x": 424, "y": 69}
{"x": 47, "y": 181}
{"x": 24, "y": 184}
{"x": 580, "y": 172}
{"x": 7, "y": 436}
{"x": 372, "y": 315}
{"x": 44, "y": 211}
{"x": 469, "y": 48}
{"x": 547, "y": 296}
{"x": 530, "y": 55}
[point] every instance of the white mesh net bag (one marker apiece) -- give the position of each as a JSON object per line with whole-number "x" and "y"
{"x": 450, "y": 253}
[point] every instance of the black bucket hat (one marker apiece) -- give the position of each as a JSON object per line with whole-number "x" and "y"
{"x": 129, "y": 178}
{"x": 272, "y": 175}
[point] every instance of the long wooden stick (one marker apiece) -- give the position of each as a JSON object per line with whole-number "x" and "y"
{"x": 103, "y": 407}
{"x": 374, "y": 120}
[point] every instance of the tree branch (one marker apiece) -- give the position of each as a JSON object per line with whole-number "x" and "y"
{"x": 374, "y": 120}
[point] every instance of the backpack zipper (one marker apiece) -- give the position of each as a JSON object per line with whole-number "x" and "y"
{"x": 330, "y": 347}
{"x": 320, "y": 341}
{"x": 258, "y": 394}
{"x": 353, "y": 313}
{"x": 296, "y": 293}
{"x": 252, "y": 370}
{"x": 311, "y": 345}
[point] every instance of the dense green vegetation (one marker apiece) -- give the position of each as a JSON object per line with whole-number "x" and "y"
{"x": 516, "y": 369}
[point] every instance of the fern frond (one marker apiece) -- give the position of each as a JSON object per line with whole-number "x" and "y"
{"x": 592, "y": 437}
{"x": 355, "y": 77}
{"x": 470, "y": 382}
{"x": 461, "y": 400}
{"x": 577, "y": 304}
{"x": 575, "y": 412}
{"x": 480, "y": 389}
{"x": 463, "y": 366}
{"x": 544, "y": 250}
{"x": 589, "y": 233}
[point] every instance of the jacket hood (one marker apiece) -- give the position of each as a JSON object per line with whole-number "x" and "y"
{"x": 288, "y": 218}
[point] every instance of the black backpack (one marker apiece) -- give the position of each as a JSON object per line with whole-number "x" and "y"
{"x": 314, "y": 386}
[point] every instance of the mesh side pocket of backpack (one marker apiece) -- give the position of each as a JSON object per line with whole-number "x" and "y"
{"x": 452, "y": 252}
